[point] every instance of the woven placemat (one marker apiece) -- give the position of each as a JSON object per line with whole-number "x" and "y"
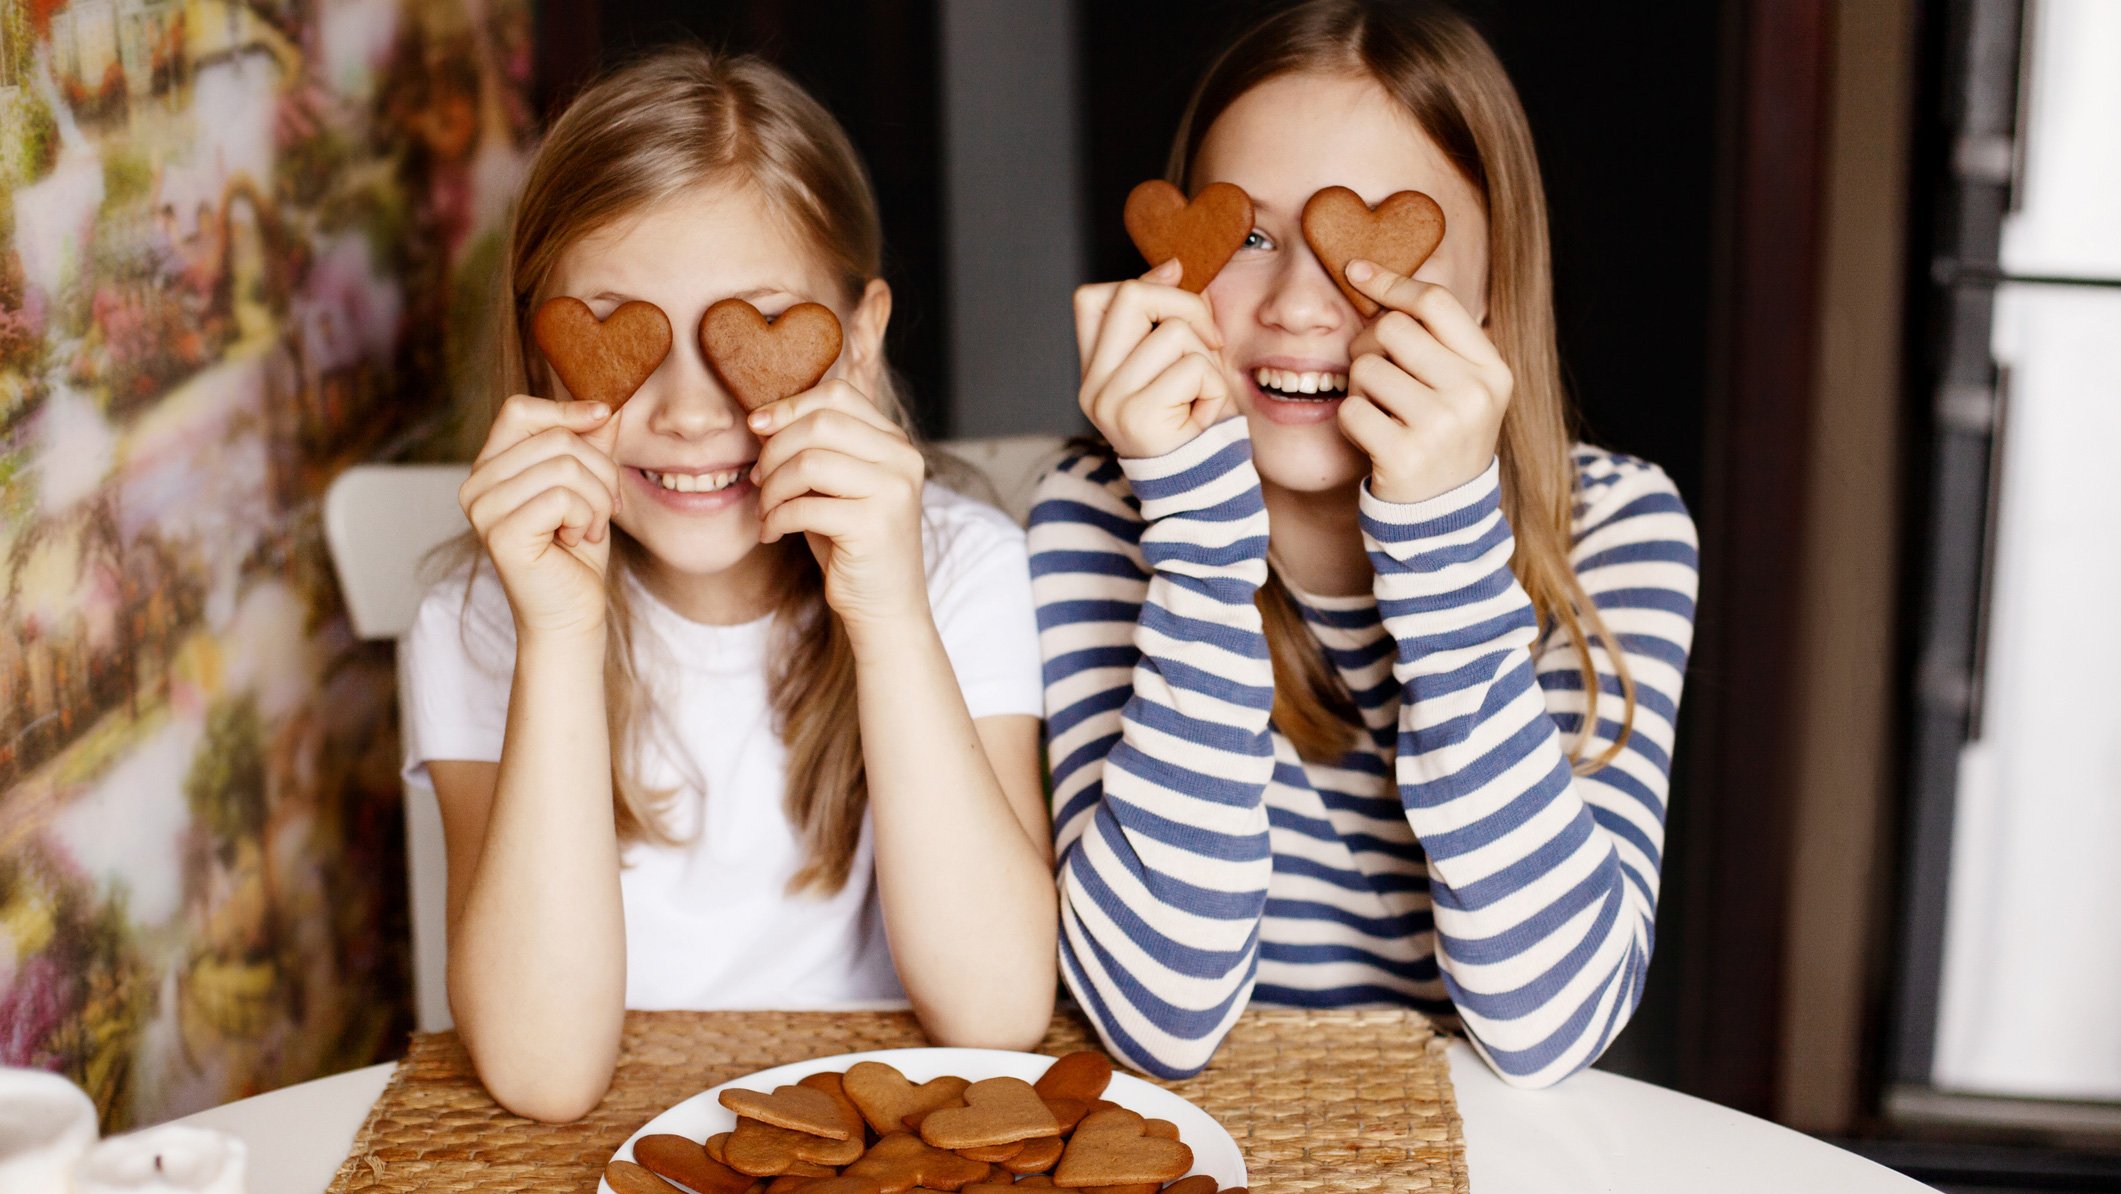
{"x": 1318, "y": 1101}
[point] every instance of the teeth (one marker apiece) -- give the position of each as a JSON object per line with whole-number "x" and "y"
{"x": 1290, "y": 382}
{"x": 695, "y": 482}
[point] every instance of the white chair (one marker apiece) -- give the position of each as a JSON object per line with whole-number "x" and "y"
{"x": 381, "y": 520}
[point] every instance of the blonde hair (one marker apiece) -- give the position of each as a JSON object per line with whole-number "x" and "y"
{"x": 1437, "y": 66}
{"x": 678, "y": 119}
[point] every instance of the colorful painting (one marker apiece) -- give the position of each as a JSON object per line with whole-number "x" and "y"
{"x": 243, "y": 244}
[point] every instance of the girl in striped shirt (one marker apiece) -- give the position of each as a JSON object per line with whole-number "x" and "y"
{"x": 1361, "y": 677}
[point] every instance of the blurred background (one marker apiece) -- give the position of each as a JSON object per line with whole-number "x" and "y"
{"x": 1850, "y": 271}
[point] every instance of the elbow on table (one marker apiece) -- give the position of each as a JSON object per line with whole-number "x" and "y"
{"x": 543, "y": 1096}
{"x": 1018, "y": 1028}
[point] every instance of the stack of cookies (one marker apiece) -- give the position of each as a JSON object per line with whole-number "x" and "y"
{"x": 871, "y": 1130}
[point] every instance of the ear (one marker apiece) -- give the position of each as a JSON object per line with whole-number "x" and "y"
{"x": 865, "y": 336}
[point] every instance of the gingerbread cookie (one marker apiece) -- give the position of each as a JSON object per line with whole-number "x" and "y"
{"x": 601, "y": 361}
{"x": 902, "y": 1161}
{"x": 888, "y": 1100}
{"x": 1034, "y": 1156}
{"x": 996, "y": 1111}
{"x": 1202, "y": 234}
{"x": 1111, "y": 1148}
{"x": 765, "y": 1150}
{"x": 762, "y": 361}
{"x": 1399, "y": 235}
{"x": 1082, "y": 1075}
{"x": 801, "y": 1108}
{"x": 625, "y": 1177}
{"x": 686, "y": 1162}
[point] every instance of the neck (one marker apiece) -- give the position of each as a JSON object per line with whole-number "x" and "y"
{"x": 740, "y": 593}
{"x": 1316, "y": 539}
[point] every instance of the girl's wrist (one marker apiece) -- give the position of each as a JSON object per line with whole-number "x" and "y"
{"x": 887, "y": 639}
{"x": 582, "y": 641}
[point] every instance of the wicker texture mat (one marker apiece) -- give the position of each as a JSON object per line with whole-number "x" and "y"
{"x": 1318, "y": 1101}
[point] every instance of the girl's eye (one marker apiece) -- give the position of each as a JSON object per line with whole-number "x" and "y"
{"x": 1256, "y": 239}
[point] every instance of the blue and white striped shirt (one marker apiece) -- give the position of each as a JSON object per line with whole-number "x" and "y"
{"x": 1452, "y": 861}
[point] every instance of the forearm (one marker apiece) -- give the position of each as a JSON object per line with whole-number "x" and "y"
{"x": 1158, "y": 710}
{"x": 1543, "y": 880}
{"x": 965, "y": 883}
{"x": 537, "y": 964}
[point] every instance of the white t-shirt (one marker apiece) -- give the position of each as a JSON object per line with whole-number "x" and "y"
{"x": 709, "y": 922}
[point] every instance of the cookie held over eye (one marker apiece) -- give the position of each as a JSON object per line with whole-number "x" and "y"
{"x": 1202, "y": 234}
{"x": 601, "y": 361}
{"x": 1399, "y": 234}
{"x": 762, "y": 360}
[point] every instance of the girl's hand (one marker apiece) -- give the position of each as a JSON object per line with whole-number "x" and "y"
{"x": 1152, "y": 365}
{"x": 1426, "y": 391}
{"x": 540, "y": 498}
{"x": 836, "y": 470}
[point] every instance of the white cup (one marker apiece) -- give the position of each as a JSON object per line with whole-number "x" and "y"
{"x": 171, "y": 1158}
{"x": 46, "y": 1125}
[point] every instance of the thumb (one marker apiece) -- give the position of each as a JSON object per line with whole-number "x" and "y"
{"x": 1166, "y": 274}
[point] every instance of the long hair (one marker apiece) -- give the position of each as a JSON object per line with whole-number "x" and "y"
{"x": 664, "y": 124}
{"x": 1438, "y": 67}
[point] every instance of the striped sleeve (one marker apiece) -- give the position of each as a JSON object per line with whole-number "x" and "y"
{"x": 1158, "y": 692}
{"x": 1544, "y": 881}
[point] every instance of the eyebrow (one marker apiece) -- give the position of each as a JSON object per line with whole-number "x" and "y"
{"x": 756, "y": 292}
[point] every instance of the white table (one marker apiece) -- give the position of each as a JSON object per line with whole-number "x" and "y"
{"x": 1595, "y": 1132}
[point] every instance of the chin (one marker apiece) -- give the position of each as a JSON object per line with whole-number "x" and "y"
{"x": 1306, "y": 460}
{"x": 696, "y": 554}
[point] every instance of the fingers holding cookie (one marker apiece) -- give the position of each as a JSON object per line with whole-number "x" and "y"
{"x": 1427, "y": 390}
{"x": 1154, "y": 377}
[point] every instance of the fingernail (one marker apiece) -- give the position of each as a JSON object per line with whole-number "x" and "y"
{"x": 1360, "y": 270}
{"x": 761, "y": 421}
{"x": 598, "y": 410}
{"x": 1170, "y": 269}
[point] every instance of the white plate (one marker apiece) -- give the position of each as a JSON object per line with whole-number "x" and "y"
{"x": 702, "y": 1115}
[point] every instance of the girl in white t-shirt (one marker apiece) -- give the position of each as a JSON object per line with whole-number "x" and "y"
{"x": 729, "y": 711}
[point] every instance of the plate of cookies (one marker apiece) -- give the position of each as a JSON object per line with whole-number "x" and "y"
{"x": 972, "y": 1121}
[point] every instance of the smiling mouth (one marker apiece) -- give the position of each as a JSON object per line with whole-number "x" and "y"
{"x": 1289, "y": 385}
{"x": 697, "y": 482}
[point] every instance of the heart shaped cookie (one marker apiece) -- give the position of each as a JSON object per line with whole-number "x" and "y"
{"x": 996, "y": 1111}
{"x": 1110, "y": 1148}
{"x": 764, "y": 1150}
{"x": 1082, "y": 1076}
{"x": 684, "y": 1161}
{"x": 1399, "y": 235}
{"x": 1202, "y": 234}
{"x": 629, "y": 1178}
{"x": 1036, "y": 1155}
{"x": 801, "y": 1108}
{"x": 601, "y": 362}
{"x": 887, "y": 1099}
{"x": 763, "y": 361}
{"x": 902, "y": 1161}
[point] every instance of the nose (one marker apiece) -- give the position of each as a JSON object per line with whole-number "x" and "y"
{"x": 1304, "y": 300}
{"x": 684, "y": 397}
